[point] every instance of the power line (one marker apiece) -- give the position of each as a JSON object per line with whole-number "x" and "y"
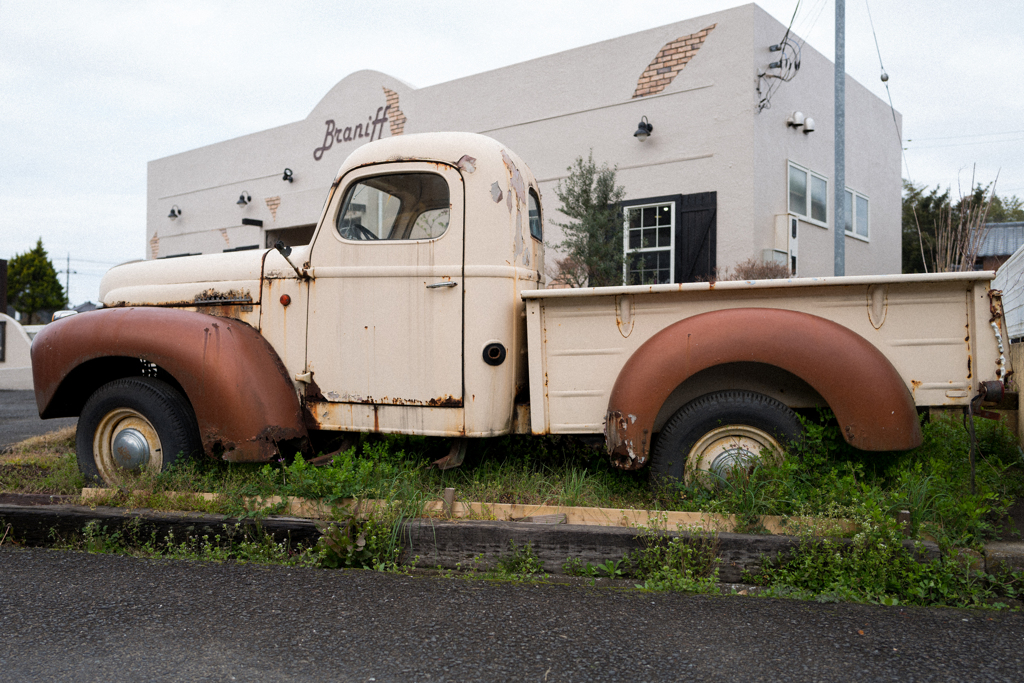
{"x": 973, "y": 135}
{"x": 786, "y": 64}
{"x": 885, "y": 82}
{"x": 965, "y": 144}
{"x": 102, "y": 263}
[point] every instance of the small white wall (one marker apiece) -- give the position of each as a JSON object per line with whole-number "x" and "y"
{"x": 16, "y": 368}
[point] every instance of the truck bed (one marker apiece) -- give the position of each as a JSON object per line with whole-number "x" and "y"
{"x": 937, "y": 331}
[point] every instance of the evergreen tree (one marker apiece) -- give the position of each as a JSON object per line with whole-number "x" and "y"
{"x": 32, "y": 283}
{"x": 593, "y": 235}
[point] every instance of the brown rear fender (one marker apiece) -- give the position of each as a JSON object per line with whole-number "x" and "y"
{"x": 240, "y": 390}
{"x": 874, "y": 408}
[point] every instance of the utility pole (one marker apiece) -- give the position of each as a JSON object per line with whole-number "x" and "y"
{"x": 840, "y": 142}
{"x": 67, "y": 282}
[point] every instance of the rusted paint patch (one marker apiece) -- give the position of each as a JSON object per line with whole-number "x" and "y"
{"x": 212, "y": 296}
{"x": 241, "y": 393}
{"x": 466, "y": 163}
{"x": 496, "y": 193}
{"x": 312, "y": 391}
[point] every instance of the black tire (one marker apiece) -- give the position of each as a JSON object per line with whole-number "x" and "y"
{"x": 745, "y": 414}
{"x": 159, "y": 422}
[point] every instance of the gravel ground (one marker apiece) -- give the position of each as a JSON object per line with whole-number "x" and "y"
{"x": 79, "y": 617}
{"x": 19, "y": 418}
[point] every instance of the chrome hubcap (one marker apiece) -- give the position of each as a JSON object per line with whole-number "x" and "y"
{"x": 130, "y": 449}
{"x": 125, "y": 441}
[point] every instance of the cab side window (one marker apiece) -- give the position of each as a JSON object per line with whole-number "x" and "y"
{"x": 401, "y": 206}
{"x": 536, "y": 227}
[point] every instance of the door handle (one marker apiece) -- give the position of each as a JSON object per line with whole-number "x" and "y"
{"x": 438, "y": 285}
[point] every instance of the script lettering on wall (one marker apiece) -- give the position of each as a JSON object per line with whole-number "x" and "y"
{"x": 338, "y": 134}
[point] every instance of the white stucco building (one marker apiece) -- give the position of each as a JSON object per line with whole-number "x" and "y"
{"x": 725, "y": 177}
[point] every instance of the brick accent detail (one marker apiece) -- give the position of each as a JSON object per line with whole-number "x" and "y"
{"x": 669, "y": 61}
{"x": 272, "y": 204}
{"x": 224, "y": 234}
{"x": 154, "y": 246}
{"x": 396, "y": 118}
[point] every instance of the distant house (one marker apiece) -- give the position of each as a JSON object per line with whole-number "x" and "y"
{"x": 1001, "y": 241}
{"x": 87, "y": 306}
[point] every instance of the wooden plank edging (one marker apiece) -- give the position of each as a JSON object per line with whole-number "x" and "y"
{"x": 510, "y": 512}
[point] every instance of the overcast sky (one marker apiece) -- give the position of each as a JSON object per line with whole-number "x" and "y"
{"x": 91, "y": 91}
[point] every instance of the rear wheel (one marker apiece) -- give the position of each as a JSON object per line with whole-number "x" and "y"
{"x": 131, "y": 424}
{"x": 723, "y": 434}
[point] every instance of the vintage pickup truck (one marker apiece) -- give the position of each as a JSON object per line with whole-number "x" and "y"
{"x": 418, "y": 307}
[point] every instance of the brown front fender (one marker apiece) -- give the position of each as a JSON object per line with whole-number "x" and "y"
{"x": 869, "y": 398}
{"x": 241, "y": 393}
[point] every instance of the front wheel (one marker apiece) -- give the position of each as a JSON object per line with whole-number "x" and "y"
{"x": 131, "y": 424}
{"x": 718, "y": 435}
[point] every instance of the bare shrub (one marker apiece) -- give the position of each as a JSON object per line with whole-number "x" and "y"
{"x": 752, "y": 269}
{"x": 567, "y": 273}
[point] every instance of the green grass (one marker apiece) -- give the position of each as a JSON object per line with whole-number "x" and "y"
{"x": 42, "y": 464}
{"x": 822, "y": 477}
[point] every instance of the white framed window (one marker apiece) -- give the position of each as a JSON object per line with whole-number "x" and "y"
{"x": 808, "y": 195}
{"x": 857, "y": 215}
{"x": 649, "y": 243}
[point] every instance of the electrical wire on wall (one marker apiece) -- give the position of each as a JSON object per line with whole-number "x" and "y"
{"x": 781, "y": 70}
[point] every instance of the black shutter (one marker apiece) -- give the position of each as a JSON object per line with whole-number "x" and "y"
{"x": 696, "y": 237}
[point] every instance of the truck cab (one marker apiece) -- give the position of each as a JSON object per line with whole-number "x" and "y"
{"x": 403, "y": 314}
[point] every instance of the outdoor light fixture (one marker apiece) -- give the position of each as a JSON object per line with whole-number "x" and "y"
{"x": 244, "y": 199}
{"x": 175, "y": 212}
{"x": 808, "y": 125}
{"x": 796, "y": 119}
{"x": 643, "y": 130}
{"x": 288, "y": 175}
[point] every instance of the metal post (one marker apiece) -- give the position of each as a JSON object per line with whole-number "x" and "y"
{"x": 67, "y": 284}
{"x": 840, "y": 126}
{"x": 3, "y": 286}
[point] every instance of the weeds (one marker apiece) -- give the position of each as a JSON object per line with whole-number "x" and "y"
{"x": 520, "y": 564}
{"x": 825, "y": 478}
{"x": 682, "y": 563}
{"x": 877, "y": 567}
{"x": 352, "y": 542}
{"x": 236, "y": 544}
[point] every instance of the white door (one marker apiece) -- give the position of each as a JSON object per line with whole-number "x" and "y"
{"x": 385, "y": 307}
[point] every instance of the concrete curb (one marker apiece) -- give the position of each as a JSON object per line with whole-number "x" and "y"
{"x": 463, "y": 544}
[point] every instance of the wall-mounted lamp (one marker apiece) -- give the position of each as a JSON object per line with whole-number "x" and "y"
{"x": 244, "y": 199}
{"x": 288, "y": 175}
{"x": 175, "y": 212}
{"x": 798, "y": 120}
{"x": 643, "y": 129}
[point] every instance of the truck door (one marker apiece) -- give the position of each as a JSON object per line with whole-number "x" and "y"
{"x": 385, "y": 305}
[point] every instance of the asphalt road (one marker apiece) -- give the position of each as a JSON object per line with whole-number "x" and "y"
{"x": 19, "y": 418}
{"x": 78, "y": 617}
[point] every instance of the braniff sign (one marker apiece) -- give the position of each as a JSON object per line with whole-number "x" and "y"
{"x": 336, "y": 134}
